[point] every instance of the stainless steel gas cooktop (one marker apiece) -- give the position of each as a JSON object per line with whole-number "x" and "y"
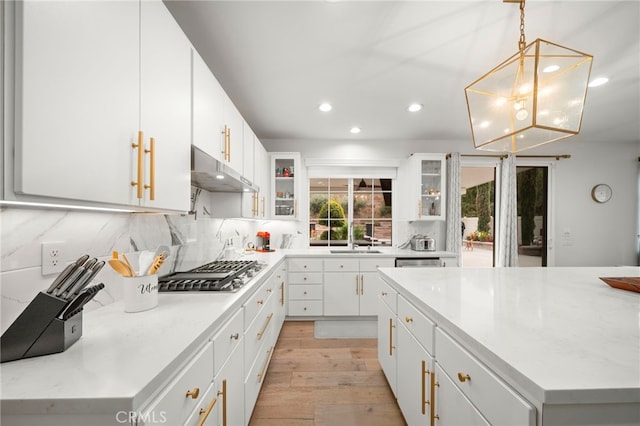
{"x": 219, "y": 275}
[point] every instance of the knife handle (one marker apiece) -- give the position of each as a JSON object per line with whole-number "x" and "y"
{"x": 66, "y": 273}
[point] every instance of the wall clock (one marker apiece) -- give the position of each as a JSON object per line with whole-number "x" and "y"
{"x": 601, "y": 193}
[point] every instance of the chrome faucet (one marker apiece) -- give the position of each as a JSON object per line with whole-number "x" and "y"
{"x": 352, "y": 238}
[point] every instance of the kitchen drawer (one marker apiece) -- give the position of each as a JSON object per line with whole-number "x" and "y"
{"x": 417, "y": 323}
{"x": 389, "y": 296}
{"x": 304, "y": 265}
{"x": 372, "y": 265}
{"x": 226, "y": 340}
{"x": 451, "y": 406}
{"x": 180, "y": 397}
{"x": 305, "y": 292}
{"x": 207, "y": 410}
{"x": 305, "y": 307}
{"x": 256, "y": 302}
{"x": 258, "y": 333}
{"x": 497, "y": 402}
{"x": 305, "y": 277}
{"x": 341, "y": 265}
{"x": 255, "y": 378}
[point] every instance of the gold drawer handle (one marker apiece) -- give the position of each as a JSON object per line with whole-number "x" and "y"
{"x": 235, "y": 336}
{"x": 193, "y": 394}
{"x": 463, "y": 377}
{"x": 266, "y": 363}
{"x": 205, "y": 413}
{"x": 408, "y": 319}
{"x": 384, "y": 293}
{"x": 260, "y": 302}
{"x": 264, "y": 328}
{"x": 269, "y": 290}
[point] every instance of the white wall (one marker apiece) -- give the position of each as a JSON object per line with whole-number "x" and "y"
{"x": 585, "y": 233}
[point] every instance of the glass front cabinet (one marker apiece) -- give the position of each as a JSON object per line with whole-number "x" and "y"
{"x": 285, "y": 184}
{"x": 429, "y": 175}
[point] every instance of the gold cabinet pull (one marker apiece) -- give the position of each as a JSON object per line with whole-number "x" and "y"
{"x": 264, "y": 327}
{"x": 205, "y": 413}
{"x": 228, "y": 144}
{"x": 260, "y": 302}
{"x": 463, "y": 377}
{"x": 361, "y": 285}
{"x": 235, "y": 336}
{"x": 425, "y": 372}
{"x": 408, "y": 320}
{"x": 140, "y": 147}
{"x": 152, "y": 169}
{"x": 419, "y": 208}
{"x": 357, "y": 285}
{"x": 193, "y": 393}
{"x": 223, "y": 392}
{"x": 391, "y": 327}
{"x": 282, "y": 293}
{"x": 384, "y": 293}
{"x": 264, "y": 207}
{"x": 434, "y": 416}
{"x": 264, "y": 367}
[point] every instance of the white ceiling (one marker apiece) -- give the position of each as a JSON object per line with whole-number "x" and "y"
{"x": 278, "y": 60}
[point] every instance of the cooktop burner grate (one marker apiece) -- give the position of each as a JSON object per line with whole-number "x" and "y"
{"x": 219, "y": 275}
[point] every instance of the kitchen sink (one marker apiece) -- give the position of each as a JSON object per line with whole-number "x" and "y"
{"x": 355, "y": 251}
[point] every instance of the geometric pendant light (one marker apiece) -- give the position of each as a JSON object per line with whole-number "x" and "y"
{"x": 535, "y": 97}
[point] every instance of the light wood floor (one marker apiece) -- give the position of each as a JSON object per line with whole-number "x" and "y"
{"x": 318, "y": 382}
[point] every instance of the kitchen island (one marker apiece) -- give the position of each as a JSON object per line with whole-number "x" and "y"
{"x": 560, "y": 338}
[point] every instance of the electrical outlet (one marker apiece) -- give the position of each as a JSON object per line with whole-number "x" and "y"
{"x": 52, "y": 258}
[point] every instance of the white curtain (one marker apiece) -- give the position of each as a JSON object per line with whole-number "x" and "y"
{"x": 454, "y": 216}
{"x": 507, "y": 248}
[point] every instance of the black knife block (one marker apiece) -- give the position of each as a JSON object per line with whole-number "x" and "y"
{"x": 38, "y": 330}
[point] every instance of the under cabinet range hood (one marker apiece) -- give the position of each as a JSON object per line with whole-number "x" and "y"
{"x": 213, "y": 175}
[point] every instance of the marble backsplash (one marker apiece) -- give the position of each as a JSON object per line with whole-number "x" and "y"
{"x": 193, "y": 240}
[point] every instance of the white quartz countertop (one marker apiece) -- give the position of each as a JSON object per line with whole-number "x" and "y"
{"x": 122, "y": 359}
{"x": 560, "y": 334}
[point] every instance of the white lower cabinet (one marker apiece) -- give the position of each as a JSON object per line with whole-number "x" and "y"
{"x": 183, "y": 394}
{"x": 435, "y": 379}
{"x": 415, "y": 365}
{"x": 230, "y": 390}
{"x": 492, "y": 397}
{"x": 304, "y": 287}
{"x": 351, "y": 285}
{"x": 387, "y": 336}
{"x": 451, "y": 406}
{"x": 207, "y": 412}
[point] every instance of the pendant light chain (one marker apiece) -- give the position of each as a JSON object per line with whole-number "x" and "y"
{"x": 522, "y": 44}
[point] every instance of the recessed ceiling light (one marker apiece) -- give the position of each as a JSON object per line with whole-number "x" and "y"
{"x": 414, "y": 107}
{"x": 598, "y": 81}
{"x": 355, "y": 130}
{"x": 220, "y": 177}
{"x": 325, "y": 107}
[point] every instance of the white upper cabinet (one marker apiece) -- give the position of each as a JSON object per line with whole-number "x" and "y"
{"x": 424, "y": 177}
{"x": 232, "y": 131}
{"x": 207, "y": 103}
{"x": 77, "y": 106}
{"x": 286, "y": 185}
{"x": 80, "y": 104}
{"x": 165, "y": 79}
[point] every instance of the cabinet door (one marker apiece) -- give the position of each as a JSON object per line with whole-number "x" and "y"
{"x": 387, "y": 338}
{"x": 230, "y": 384}
{"x": 370, "y": 286}
{"x": 77, "y": 109}
{"x": 165, "y": 85}
{"x": 262, "y": 178}
{"x": 414, "y": 373}
{"x": 248, "y": 156}
{"x": 285, "y": 184}
{"x": 207, "y": 411}
{"x": 341, "y": 293}
{"x": 207, "y": 103}
{"x": 234, "y": 125}
{"x": 427, "y": 178}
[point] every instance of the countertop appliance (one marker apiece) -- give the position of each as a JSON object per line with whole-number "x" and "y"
{"x": 219, "y": 275}
{"x": 422, "y": 243}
